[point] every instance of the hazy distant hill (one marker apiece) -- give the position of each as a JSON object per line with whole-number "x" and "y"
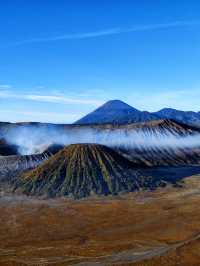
{"x": 187, "y": 117}
{"x": 116, "y": 112}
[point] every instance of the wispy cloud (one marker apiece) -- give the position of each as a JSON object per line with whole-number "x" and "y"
{"x": 61, "y": 99}
{"x": 67, "y": 109}
{"x": 111, "y": 31}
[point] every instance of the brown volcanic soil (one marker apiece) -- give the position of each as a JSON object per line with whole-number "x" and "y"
{"x": 108, "y": 230}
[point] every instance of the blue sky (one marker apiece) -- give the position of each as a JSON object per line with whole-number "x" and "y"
{"x": 61, "y": 59}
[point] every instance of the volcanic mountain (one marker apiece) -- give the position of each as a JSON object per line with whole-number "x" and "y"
{"x": 80, "y": 170}
{"x": 116, "y": 112}
{"x": 149, "y": 143}
{"x": 186, "y": 117}
{"x": 161, "y": 143}
{"x": 13, "y": 165}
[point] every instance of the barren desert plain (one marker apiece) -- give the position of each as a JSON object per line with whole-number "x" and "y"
{"x": 158, "y": 227}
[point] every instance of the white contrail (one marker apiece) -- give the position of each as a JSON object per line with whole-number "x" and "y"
{"x": 108, "y": 32}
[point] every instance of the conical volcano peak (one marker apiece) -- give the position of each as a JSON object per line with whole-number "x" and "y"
{"x": 117, "y": 104}
{"x": 116, "y": 112}
{"x": 80, "y": 170}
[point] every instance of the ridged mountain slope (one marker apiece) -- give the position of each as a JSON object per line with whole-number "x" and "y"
{"x": 186, "y": 117}
{"x": 81, "y": 170}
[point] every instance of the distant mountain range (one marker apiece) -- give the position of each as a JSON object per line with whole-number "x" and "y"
{"x": 118, "y": 112}
{"x": 186, "y": 117}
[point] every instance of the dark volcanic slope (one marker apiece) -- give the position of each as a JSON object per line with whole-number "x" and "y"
{"x": 7, "y": 149}
{"x": 12, "y": 165}
{"x": 160, "y": 126}
{"x": 167, "y": 149}
{"x": 151, "y": 157}
{"x": 81, "y": 170}
{"x": 116, "y": 112}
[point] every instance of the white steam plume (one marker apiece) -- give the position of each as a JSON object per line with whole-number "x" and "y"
{"x": 35, "y": 139}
